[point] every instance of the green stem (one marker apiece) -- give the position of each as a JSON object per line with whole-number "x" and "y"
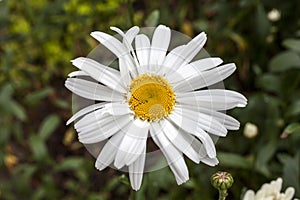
{"x": 130, "y": 12}
{"x": 132, "y": 194}
{"x": 222, "y": 194}
{"x": 242, "y": 14}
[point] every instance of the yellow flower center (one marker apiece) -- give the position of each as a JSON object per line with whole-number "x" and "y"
{"x": 151, "y": 97}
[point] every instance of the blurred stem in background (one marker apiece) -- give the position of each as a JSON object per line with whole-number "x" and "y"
{"x": 130, "y": 12}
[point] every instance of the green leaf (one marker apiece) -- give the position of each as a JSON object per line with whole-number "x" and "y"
{"x": 48, "y": 126}
{"x": 4, "y": 136}
{"x": 292, "y": 44}
{"x": 292, "y": 128}
{"x": 8, "y": 104}
{"x": 96, "y": 196}
{"x": 291, "y": 171}
{"x": 159, "y": 179}
{"x": 234, "y": 161}
{"x": 152, "y": 19}
{"x": 124, "y": 179}
{"x": 16, "y": 109}
{"x": 264, "y": 155}
{"x": 70, "y": 163}
{"x": 113, "y": 183}
{"x": 269, "y": 82}
{"x": 266, "y": 152}
{"x": 6, "y": 92}
{"x": 62, "y": 104}
{"x": 38, "y": 147}
{"x": 293, "y": 109}
{"x": 22, "y": 175}
{"x": 262, "y": 22}
{"x": 284, "y": 61}
{"x": 37, "y": 96}
{"x": 25, "y": 171}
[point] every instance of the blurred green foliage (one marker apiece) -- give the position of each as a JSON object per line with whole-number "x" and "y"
{"x": 40, "y": 158}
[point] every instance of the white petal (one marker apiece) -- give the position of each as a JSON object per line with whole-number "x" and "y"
{"x": 77, "y": 73}
{"x": 128, "y": 39}
{"x": 193, "y": 47}
{"x": 118, "y": 48}
{"x": 117, "y": 30}
{"x": 142, "y": 45}
{"x": 210, "y": 161}
{"x": 85, "y": 61}
{"x": 133, "y": 143}
{"x": 190, "y": 70}
{"x": 114, "y": 110}
{"x": 91, "y": 119}
{"x": 277, "y": 184}
{"x": 124, "y": 66}
{"x": 171, "y": 59}
{"x": 159, "y": 46}
{"x": 136, "y": 171}
{"x": 229, "y": 122}
{"x": 204, "y": 64}
{"x": 289, "y": 193}
{"x": 182, "y": 142}
{"x": 180, "y": 171}
{"x": 250, "y": 195}
{"x": 107, "y": 154}
{"x": 101, "y": 73}
{"x": 193, "y": 125}
{"x": 197, "y": 120}
{"x": 173, "y": 156}
{"x": 187, "y": 53}
{"x": 110, "y": 42}
{"x": 84, "y": 111}
{"x": 207, "y": 142}
{"x": 215, "y": 99}
{"x": 126, "y": 62}
{"x": 197, "y": 146}
{"x": 92, "y": 90}
{"x": 102, "y": 129}
{"x": 131, "y": 34}
{"x": 206, "y": 78}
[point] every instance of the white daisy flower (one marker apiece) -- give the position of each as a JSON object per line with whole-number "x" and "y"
{"x": 271, "y": 191}
{"x": 156, "y": 92}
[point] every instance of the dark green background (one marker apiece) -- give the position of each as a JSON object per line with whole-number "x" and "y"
{"x": 41, "y": 158}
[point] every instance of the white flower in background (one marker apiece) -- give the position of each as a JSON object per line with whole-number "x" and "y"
{"x": 155, "y": 93}
{"x": 274, "y": 15}
{"x": 250, "y": 130}
{"x": 271, "y": 191}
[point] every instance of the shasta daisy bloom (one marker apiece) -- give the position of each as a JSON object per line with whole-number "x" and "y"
{"x": 271, "y": 191}
{"x": 155, "y": 93}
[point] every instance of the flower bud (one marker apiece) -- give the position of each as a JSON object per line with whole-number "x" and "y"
{"x": 274, "y": 15}
{"x": 250, "y": 130}
{"x": 222, "y": 180}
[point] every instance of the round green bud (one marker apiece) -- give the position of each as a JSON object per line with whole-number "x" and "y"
{"x": 222, "y": 180}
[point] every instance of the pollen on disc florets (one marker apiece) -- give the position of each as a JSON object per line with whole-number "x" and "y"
{"x": 151, "y": 97}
